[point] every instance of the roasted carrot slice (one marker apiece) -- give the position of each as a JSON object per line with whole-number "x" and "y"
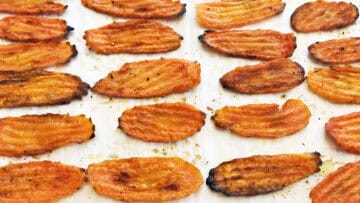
{"x": 138, "y": 9}
{"x": 230, "y": 14}
{"x": 43, "y": 181}
{"x": 341, "y": 186}
{"x": 31, "y": 7}
{"x": 166, "y": 122}
{"x": 150, "y": 78}
{"x": 262, "y": 174}
{"x": 337, "y": 51}
{"x": 264, "y": 120}
{"x": 145, "y": 179}
{"x": 37, "y": 134}
{"x": 323, "y": 16}
{"x": 268, "y": 77}
{"x": 345, "y": 68}
{"x": 133, "y": 36}
{"x": 345, "y": 130}
{"x": 31, "y": 56}
{"x": 33, "y": 29}
{"x": 259, "y": 44}
{"x": 39, "y": 88}
{"x": 339, "y": 84}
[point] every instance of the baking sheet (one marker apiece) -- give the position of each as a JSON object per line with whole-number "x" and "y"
{"x": 210, "y": 146}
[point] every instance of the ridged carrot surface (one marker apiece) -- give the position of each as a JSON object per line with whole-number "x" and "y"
{"x": 341, "y": 186}
{"x": 274, "y": 76}
{"x": 137, "y": 9}
{"x": 264, "y": 120}
{"x": 345, "y": 131}
{"x": 338, "y": 84}
{"x": 43, "y": 181}
{"x": 259, "y": 44}
{"x": 33, "y": 29}
{"x": 230, "y": 14}
{"x": 323, "y": 16}
{"x": 31, "y": 7}
{"x": 262, "y": 173}
{"x": 134, "y": 37}
{"x": 150, "y": 78}
{"x": 166, "y": 122}
{"x": 145, "y": 179}
{"x": 37, "y": 134}
{"x": 39, "y": 88}
{"x": 30, "y": 56}
{"x": 337, "y": 51}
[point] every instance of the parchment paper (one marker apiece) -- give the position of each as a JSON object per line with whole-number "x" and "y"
{"x": 210, "y": 146}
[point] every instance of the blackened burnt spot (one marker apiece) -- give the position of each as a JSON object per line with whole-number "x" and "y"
{"x": 172, "y": 187}
{"x": 275, "y": 68}
{"x": 201, "y": 38}
{"x": 93, "y": 135}
{"x": 182, "y": 11}
{"x": 144, "y": 9}
{"x": 69, "y": 28}
{"x": 122, "y": 177}
{"x": 74, "y": 51}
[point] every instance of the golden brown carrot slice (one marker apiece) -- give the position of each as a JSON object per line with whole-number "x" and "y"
{"x": 230, "y": 14}
{"x": 339, "y": 84}
{"x": 43, "y": 181}
{"x": 33, "y": 29}
{"x": 268, "y": 77}
{"x": 37, "y": 134}
{"x": 259, "y": 44}
{"x": 345, "y": 130}
{"x": 31, "y": 7}
{"x": 145, "y": 179}
{"x": 166, "y": 122}
{"x": 39, "y": 88}
{"x": 31, "y": 56}
{"x": 345, "y": 68}
{"x": 337, "y": 51}
{"x": 150, "y": 78}
{"x": 245, "y": 176}
{"x": 341, "y": 186}
{"x": 138, "y": 9}
{"x": 262, "y": 174}
{"x": 133, "y": 36}
{"x": 323, "y": 16}
{"x": 264, "y": 120}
